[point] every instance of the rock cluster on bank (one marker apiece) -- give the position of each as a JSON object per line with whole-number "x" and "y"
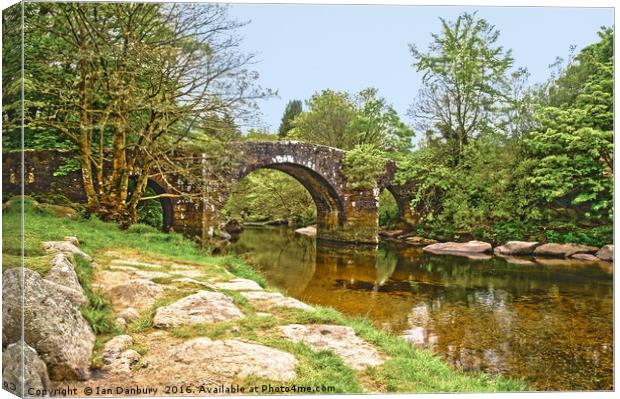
{"x": 55, "y": 332}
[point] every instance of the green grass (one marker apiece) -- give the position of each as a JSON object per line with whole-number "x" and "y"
{"x": 406, "y": 368}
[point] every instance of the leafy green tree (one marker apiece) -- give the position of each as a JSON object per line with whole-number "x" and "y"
{"x": 126, "y": 84}
{"x": 465, "y": 83}
{"x": 337, "y": 119}
{"x": 571, "y": 152}
{"x": 326, "y": 120}
{"x": 293, "y": 108}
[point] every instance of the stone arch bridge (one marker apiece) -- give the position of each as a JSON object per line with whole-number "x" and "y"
{"x": 343, "y": 214}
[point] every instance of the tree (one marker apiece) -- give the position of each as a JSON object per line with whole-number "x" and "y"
{"x": 326, "y": 120}
{"x": 465, "y": 82}
{"x": 338, "y": 120}
{"x": 571, "y": 151}
{"x": 127, "y": 84}
{"x": 293, "y": 108}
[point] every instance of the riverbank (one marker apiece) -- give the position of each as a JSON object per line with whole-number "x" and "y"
{"x": 258, "y": 322}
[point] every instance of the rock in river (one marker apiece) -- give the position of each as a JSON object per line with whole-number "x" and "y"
{"x": 516, "y": 248}
{"x": 308, "y": 231}
{"x": 563, "y": 250}
{"x": 458, "y": 248}
{"x": 606, "y": 253}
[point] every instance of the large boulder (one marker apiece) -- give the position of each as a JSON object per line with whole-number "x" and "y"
{"x": 199, "y": 308}
{"x": 34, "y": 378}
{"x": 53, "y": 324}
{"x": 63, "y": 274}
{"x": 606, "y": 253}
{"x": 563, "y": 250}
{"x": 516, "y": 248}
{"x": 458, "y": 248}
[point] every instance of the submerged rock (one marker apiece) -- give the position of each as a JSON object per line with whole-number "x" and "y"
{"x": 516, "y": 248}
{"x": 202, "y": 307}
{"x": 606, "y": 253}
{"x": 342, "y": 340}
{"x": 563, "y": 250}
{"x": 34, "y": 370}
{"x": 416, "y": 240}
{"x": 308, "y": 231}
{"x": 587, "y": 257}
{"x": 457, "y": 248}
{"x": 53, "y": 325}
{"x": 233, "y": 358}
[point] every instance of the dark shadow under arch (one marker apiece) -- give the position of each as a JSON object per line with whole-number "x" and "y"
{"x": 166, "y": 205}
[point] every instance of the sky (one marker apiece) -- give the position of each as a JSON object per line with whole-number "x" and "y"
{"x": 302, "y": 49}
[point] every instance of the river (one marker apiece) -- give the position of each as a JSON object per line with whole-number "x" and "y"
{"x": 550, "y": 324}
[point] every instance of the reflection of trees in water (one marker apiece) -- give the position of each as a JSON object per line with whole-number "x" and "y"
{"x": 551, "y": 325}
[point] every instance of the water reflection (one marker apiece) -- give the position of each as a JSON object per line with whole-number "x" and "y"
{"x": 550, "y": 324}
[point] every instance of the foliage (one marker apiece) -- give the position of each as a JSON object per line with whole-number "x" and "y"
{"x": 466, "y": 83}
{"x": 126, "y": 85}
{"x": 548, "y": 176}
{"x": 292, "y": 110}
{"x": 337, "y": 119}
{"x": 269, "y": 195}
{"x": 362, "y": 166}
{"x": 388, "y": 210}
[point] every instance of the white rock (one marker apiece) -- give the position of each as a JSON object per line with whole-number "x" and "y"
{"x": 202, "y": 307}
{"x": 342, "y": 340}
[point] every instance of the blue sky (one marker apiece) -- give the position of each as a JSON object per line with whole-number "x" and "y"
{"x": 306, "y": 48}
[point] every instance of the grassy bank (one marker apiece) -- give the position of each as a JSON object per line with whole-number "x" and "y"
{"x": 406, "y": 369}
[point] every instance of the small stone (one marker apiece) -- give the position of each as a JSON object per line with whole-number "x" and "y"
{"x": 136, "y": 293}
{"x": 73, "y": 240}
{"x": 117, "y": 358}
{"x": 270, "y": 300}
{"x": 416, "y": 240}
{"x": 120, "y": 322}
{"x": 308, "y": 231}
{"x": 129, "y": 314}
{"x": 391, "y": 233}
{"x": 342, "y": 340}
{"x": 202, "y": 307}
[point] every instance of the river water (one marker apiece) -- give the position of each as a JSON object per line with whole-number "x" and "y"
{"x": 550, "y": 324}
